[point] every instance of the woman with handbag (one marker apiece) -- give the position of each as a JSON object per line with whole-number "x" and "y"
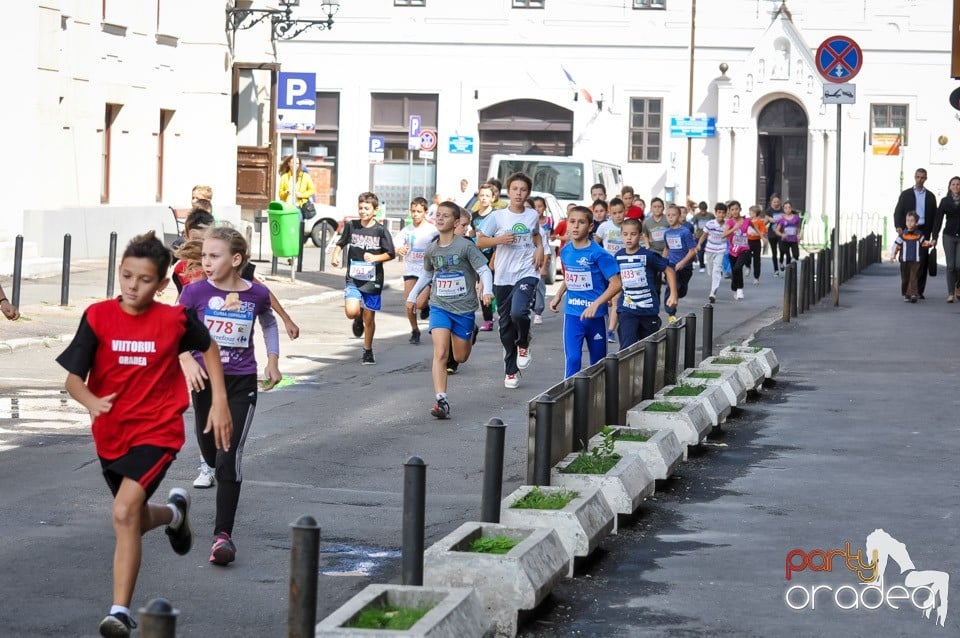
{"x": 304, "y": 189}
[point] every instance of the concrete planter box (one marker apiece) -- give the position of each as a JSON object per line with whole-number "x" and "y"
{"x": 581, "y": 524}
{"x": 455, "y": 612}
{"x": 661, "y": 453}
{"x": 624, "y": 486}
{"x": 750, "y": 371}
{"x": 690, "y": 424}
{"x": 713, "y": 398}
{"x": 729, "y": 381}
{"x": 506, "y": 583}
{"x": 766, "y": 356}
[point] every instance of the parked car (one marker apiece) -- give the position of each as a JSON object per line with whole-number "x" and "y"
{"x": 557, "y": 213}
{"x": 329, "y": 216}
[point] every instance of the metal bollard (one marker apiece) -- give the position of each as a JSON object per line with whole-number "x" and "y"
{"x": 17, "y": 271}
{"x": 706, "y": 346}
{"x": 690, "y": 341}
{"x": 112, "y": 264}
{"x": 158, "y": 619}
{"x": 304, "y": 564}
{"x": 65, "y": 272}
{"x": 611, "y": 381}
{"x": 581, "y": 412}
{"x": 492, "y": 472}
{"x": 542, "y": 442}
{"x": 649, "y": 384}
{"x": 673, "y": 352}
{"x": 792, "y": 276}
{"x": 323, "y": 247}
{"x": 273, "y": 267}
{"x": 300, "y": 252}
{"x": 785, "y": 312}
{"x": 414, "y": 506}
{"x": 802, "y": 288}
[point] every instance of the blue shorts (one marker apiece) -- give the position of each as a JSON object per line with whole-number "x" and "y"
{"x": 370, "y": 301}
{"x": 460, "y": 325}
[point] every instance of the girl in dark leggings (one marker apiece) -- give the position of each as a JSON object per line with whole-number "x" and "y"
{"x": 788, "y": 229}
{"x": 757, "y": 234}
{"x": 739, "y": 246}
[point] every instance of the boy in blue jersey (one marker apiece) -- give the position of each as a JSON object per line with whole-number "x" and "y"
{"x": 590, "y": 280}
{"x": 639, "y": 307}
{"x": 681, "y": 251}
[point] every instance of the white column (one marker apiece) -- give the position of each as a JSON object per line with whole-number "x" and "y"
{"x": 829, "y": 175}
{"x": 724, "y": 162}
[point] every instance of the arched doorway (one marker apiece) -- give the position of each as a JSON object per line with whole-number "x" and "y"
{"x": 782, "y": 153}
{"x": 525, "y": 127}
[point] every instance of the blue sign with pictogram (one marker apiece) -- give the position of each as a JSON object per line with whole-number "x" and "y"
{"x": 296, "y": 102}
{"x": 839, "y": 59}
{"x": 428, "y": 140}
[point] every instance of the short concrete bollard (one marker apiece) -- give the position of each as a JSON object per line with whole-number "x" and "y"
{"x": 690, "y": 423}
{"x": 624, "y": 486}
{"x": 453, "y": 612}
{"x": 581, "y": 524}
{"x": 506, "y": 583}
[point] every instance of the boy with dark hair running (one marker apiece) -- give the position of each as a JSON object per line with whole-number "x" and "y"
{"x": 123, "y": 368}
{"x": 639, "y": 304}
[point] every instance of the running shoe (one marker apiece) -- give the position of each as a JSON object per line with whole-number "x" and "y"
{"x": 486, "y": 326}
{"x": 702, "y": 269}
{"x": 756, "y": 281}
{"x": 223, "y": 551}
{"x": 611, "y": 336}
{"x": 358, "y": 327}
{"x": 537, "y": 319}
{"x": 511, "y": 381}
{"x": 921, "y": 296}
{"x": 415, "y": 337}
{"x": 181, "y": 538}
{"x": 368, "y": 359}
{"x": 913, "y": 299}
{"x": 441, "y": 410}
{"x": 739, "y": 294}
{"x": 206, "y": 478}
{"x": 712, "y": 299}
{"x": 452, "y": 367}
{"x": 117, "y": 625}
{"x": 523, "y": 358}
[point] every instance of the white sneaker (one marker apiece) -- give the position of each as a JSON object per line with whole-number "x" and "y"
{"x": 712, "y": 298}
{"x": 523, "y": 358}
{"x": 756, "y": 282}
{"x": 703, "y": 270}
{"x": 511, "y": 381}
{"x": 739, "y": 294}
{"x": 537, "y": 320}
{"x": 206, "y": 477}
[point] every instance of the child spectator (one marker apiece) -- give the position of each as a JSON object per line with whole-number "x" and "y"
{"x": 123, "y": 368}
{"x": 906, "y": 247}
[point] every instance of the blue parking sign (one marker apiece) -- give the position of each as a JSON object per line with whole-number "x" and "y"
{"x": 296, "y": 102}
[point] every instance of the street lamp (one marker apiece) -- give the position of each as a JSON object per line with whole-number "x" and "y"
{"x": 283, "y": 26}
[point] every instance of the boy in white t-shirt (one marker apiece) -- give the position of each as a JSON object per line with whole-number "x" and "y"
{"x": 609, "y": 236}
{"x": 515, "y": 232}
{"x": 714, "y": 248}
{"x": 414, "y": 240}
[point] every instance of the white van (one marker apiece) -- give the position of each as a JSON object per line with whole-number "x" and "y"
{"x": 567, "y": 178}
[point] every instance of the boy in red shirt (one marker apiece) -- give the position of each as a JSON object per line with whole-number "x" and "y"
{"x": 123, "y": 367}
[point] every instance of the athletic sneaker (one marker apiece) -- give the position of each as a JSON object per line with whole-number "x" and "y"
{"x": 223, "y": 551}
{"x": 206, "y": 478}
{"x": 358, "y": 326}
{"x": 367, "y": 358}
{"x": 181, "y": 538}
{"x": 702, "y": 269}
{"x": 537, "y": 319}
{"x": 756, "y": 281}
{"x": 913, "y": 299}
{"x": 415, "y": 337}
{"x": 117, "y": 625}
{"x": 739, "y": 294}
{"x": 424, "y": 313}
{"x": 776, "y": 273}
{"x": 486, "y": 326}
{"x": 452, "y": 367}
{"x": 611, "y": 336}
{"x": 523, "y": 358}
{"x": 712, "y": 299}
{"x": 672, "y": 319}
{"x": 441, "y": 410}
{"x": 511, "y": 381}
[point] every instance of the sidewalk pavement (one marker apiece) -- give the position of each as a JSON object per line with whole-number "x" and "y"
{"x": 45, "y": 323}
{"x": 859, "y": 433}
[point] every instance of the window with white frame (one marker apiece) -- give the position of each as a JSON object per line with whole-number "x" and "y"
{"x": 528, "y": 4}
{"x": 646, "y": 129}
{"x": 649, "y": 4}
{"x": 888, "y": 118}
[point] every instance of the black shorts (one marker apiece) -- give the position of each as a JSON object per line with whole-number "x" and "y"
{"x": 411, "y": 277}
{"x": 145, "y": 464}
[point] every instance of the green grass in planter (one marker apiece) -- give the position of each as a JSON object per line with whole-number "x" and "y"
{"x": 537, "y": 499}
{"x": 493, "y": 544}
{"x": 663, "y": 406}
{"x": 699, "y": 374}
{"x": 634, "y": 437}
{"x": 686, "y": 390}
{"x": 589, "y": 464}
{"x": 728, "y": 361}
{"x": 388, "y": 617}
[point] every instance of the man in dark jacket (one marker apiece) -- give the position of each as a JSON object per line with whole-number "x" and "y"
{"x": 924, "y": 202}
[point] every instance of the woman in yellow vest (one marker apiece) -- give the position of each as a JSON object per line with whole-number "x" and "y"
{"x": 304, "y": 184}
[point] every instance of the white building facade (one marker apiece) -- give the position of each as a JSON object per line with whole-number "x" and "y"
{"x": 123, "y": 105}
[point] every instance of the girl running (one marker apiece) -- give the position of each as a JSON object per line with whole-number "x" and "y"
{"x": 228, "y": 305}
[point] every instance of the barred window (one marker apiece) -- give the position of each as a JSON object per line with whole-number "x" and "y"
{"x": 646, "y": 126}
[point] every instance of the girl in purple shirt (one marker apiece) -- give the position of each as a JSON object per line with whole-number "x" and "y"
{"x": 788, "y": 229}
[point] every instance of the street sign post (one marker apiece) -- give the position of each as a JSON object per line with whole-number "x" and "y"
{"x": 375, "y": 149}
{"x": 838, "y": 60}
{"x": 413, "y": 144}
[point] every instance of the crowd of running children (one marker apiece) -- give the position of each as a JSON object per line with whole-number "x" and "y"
{"x": 130, "y": 356}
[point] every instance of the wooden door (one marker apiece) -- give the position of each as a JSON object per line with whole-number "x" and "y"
{"x": 254, "y": 114}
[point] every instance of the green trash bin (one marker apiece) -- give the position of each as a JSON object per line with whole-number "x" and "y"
{"x": 284, "y": 229}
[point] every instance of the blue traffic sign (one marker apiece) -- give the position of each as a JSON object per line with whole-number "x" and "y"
{"x": 693, "y": 127}
{"x": 461, "y": 144}
{"x": 839, "y": 59}
{"x": 377, "y": 144}
{"x": 296, "y": 102}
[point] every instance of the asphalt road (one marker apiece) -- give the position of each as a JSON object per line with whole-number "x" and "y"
{"x": 331, "y": 445}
